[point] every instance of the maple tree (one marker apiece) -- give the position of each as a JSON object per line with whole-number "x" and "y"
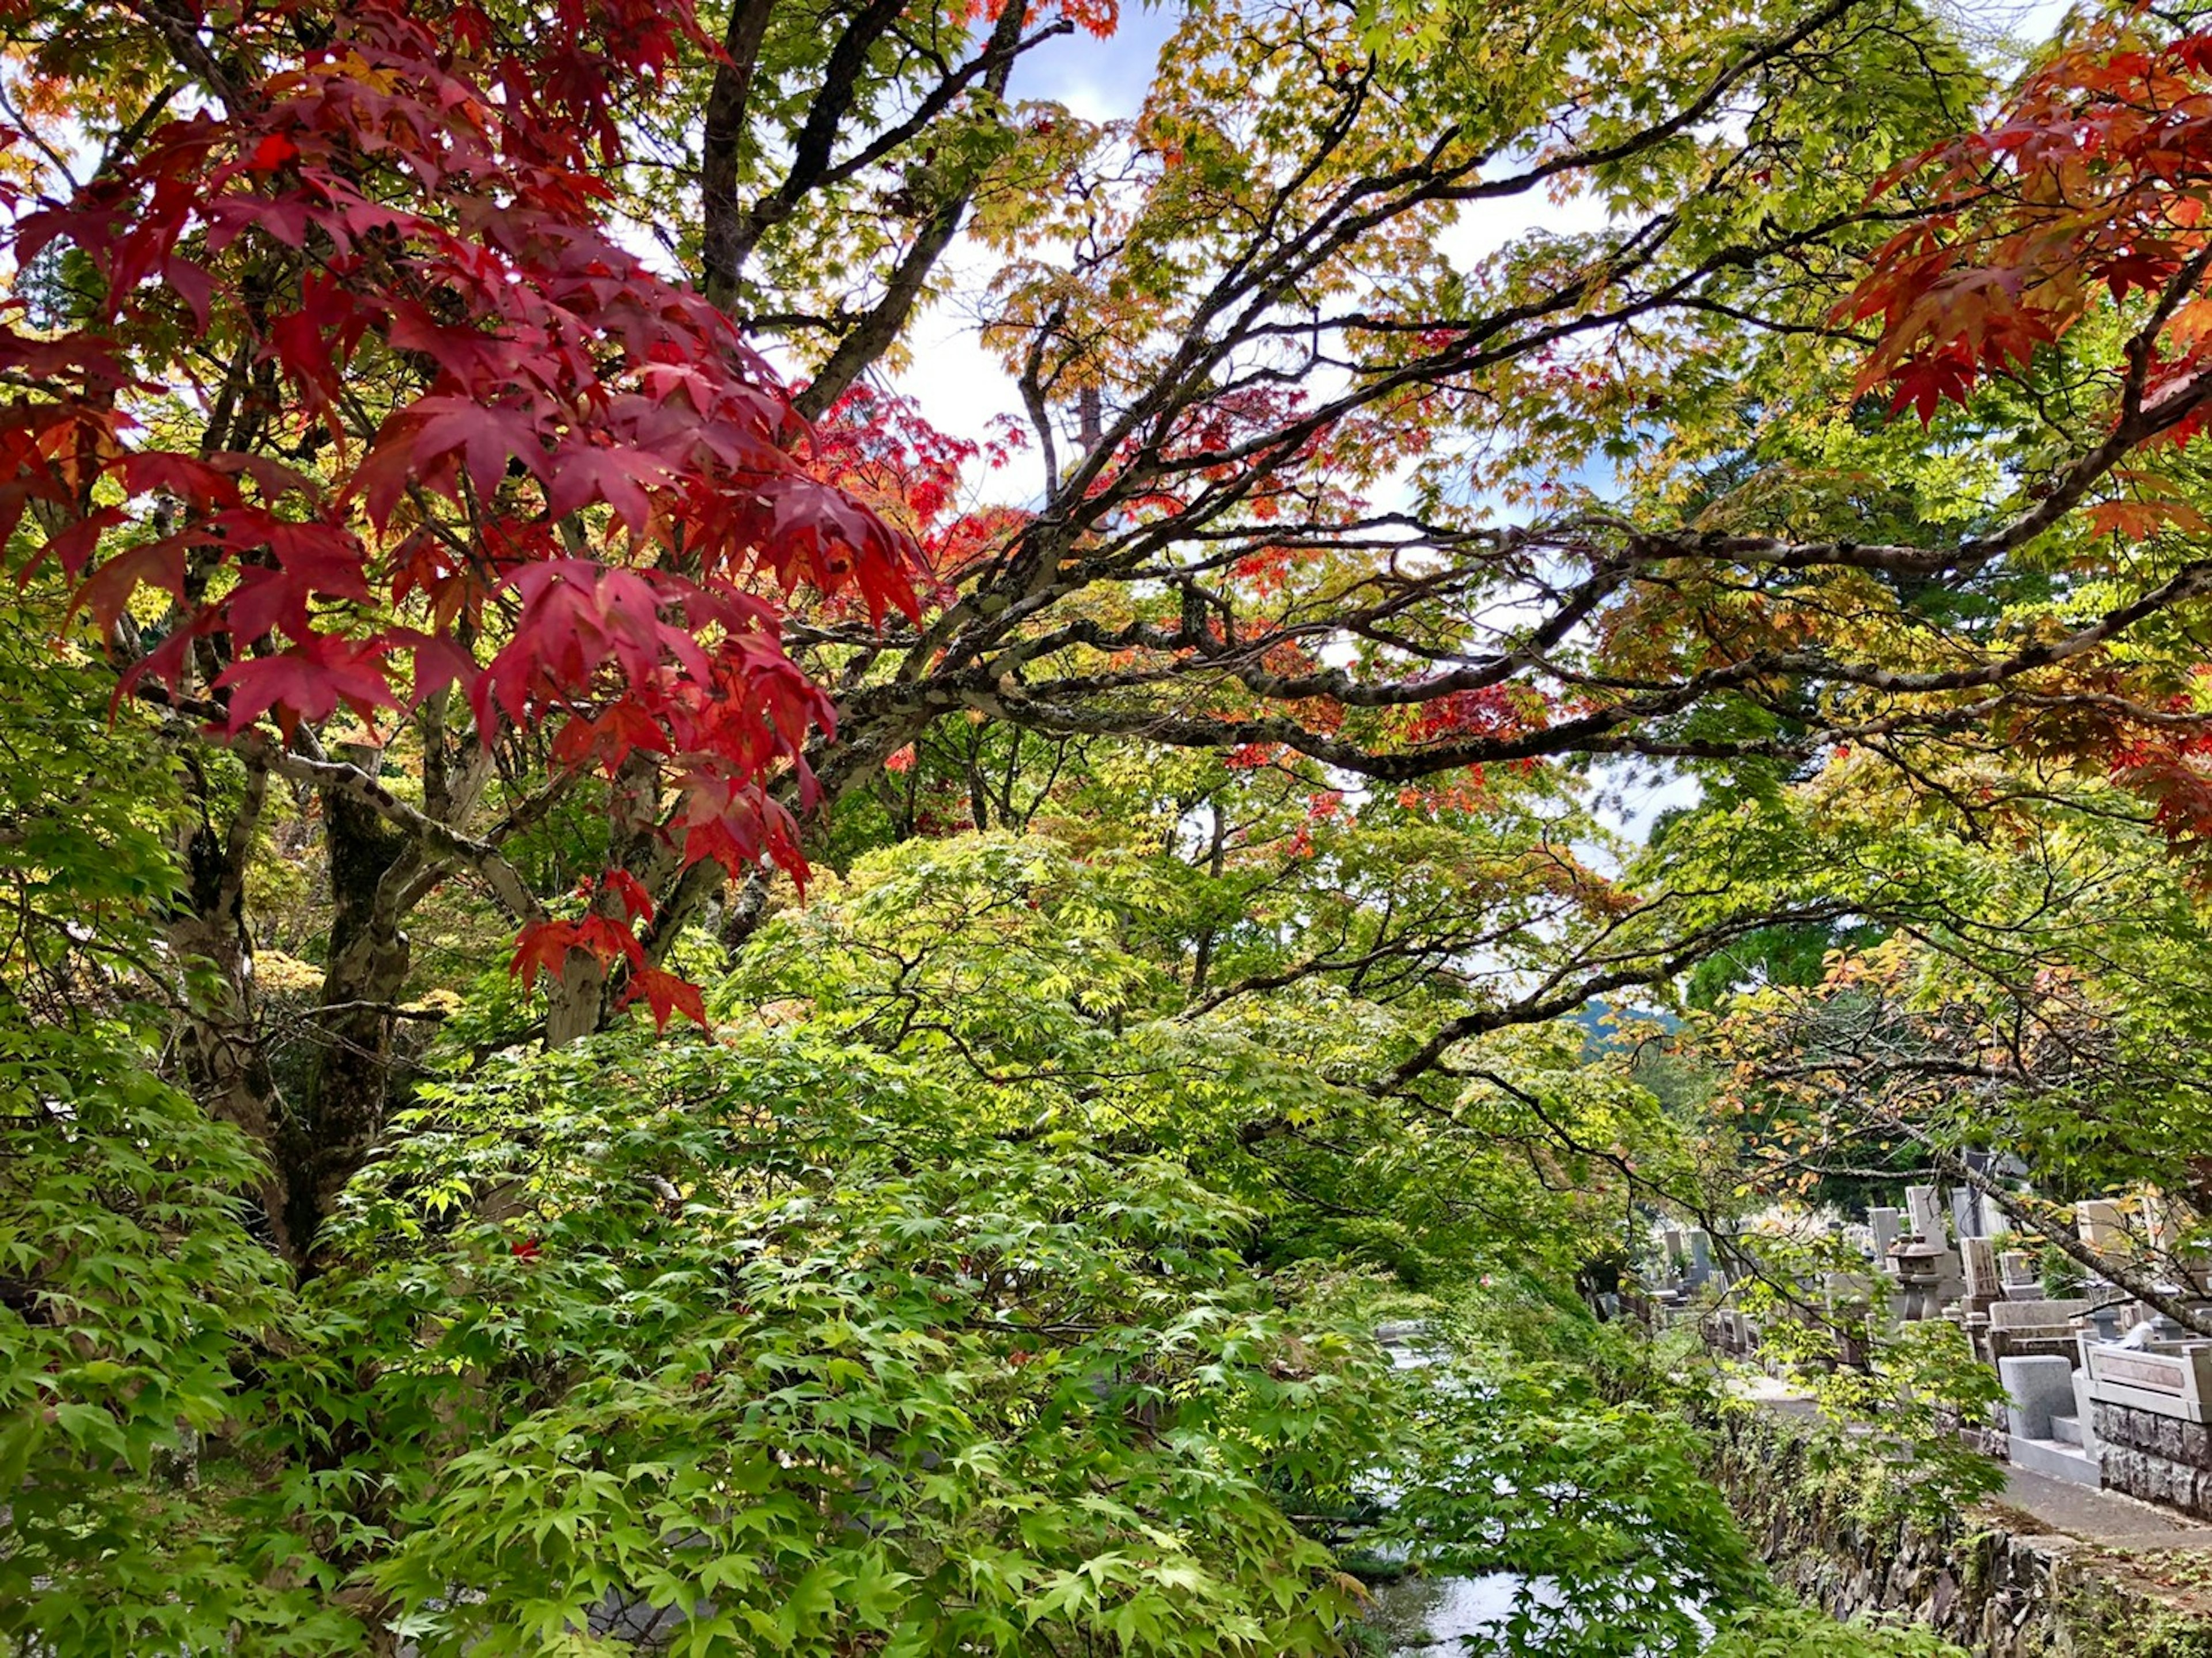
{"x": 2012, "y": 1016}
{"x": 2069, "y": 238}
{"x": 461, "y": 458}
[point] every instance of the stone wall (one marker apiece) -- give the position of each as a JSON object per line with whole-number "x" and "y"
{"x": 2160, "y": 1458}
{"x": 1991, "y": 1582}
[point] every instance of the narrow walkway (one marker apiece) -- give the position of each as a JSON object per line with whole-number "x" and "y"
{"x": 2110, "y": 1519}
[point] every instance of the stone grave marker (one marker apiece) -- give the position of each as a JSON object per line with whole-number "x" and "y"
{"x": 1927, "y": 1215}
{"x": 1980, "y": 1261}
{"x": 1886, "y": 1225}
{"x": 2099, "y": 1222}
{"x": 1966, "y": 1220}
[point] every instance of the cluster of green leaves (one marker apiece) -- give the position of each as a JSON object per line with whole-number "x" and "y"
{"x": 783, "y": 1338}
{"x": 130, "y": 1298}
{"x": 997, "y": 1275}
{"x": 87, "y": 811}
{"x": 1890, "y": 1395}
{"x": 2028, "y": 979}
{"x": 1056, "y": 992}
{"x": 721, "y": 1330}
{"x": 1782, "y": 1631}
{"x": 1602, "y": 1505}
{"x": 936, "y": 1302}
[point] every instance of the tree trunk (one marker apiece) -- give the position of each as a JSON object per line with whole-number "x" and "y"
{"x": 219, "y": 1048}
{"x": 577, "y": 1003}
{"x": 220, "y": 1057}
{"x": 364, "y": 977}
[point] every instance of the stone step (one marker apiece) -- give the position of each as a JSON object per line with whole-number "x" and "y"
{"x": 2056, "y": 1460}
{"x": 2066, "y": 1429}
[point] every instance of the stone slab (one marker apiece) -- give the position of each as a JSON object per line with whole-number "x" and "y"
{"x": 2171, "y": 1437}
{"x": 2037, "y": 1389}
{"x": 2142, "y": 1399}
{"x": 1977, "y": 1263}
{"x": 2054, "y": 1461}
{"x": 2099, "y": 1222}
{"x": 2032, "y": 1315}
{"x": 2084, "y": 1415}
{"x": 1926, "y": 1213}
{"x": 2154, "y": 1479}
{"x": 1966, "y": 1216}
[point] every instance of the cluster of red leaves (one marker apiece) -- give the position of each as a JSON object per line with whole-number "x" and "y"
{"x": 584, "y": 508}
{"x": 1251, "y": 756}
{"x": 2094, "y": 188}
{"x": 1096, "y": 18}
{"x": 878, "y": 448}
{"x": 1434, "y": 800}
{"x": 968, "y": 542}
{"x": 2094, "y": 184}
{"x": 543, "y": 947}
{"x": 1232, "y": 443}
{"x": 2173, "y": 771}
{"x": 1495, "y": 712}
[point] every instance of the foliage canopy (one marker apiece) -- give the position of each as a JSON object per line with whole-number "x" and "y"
{"x": 1123, "y": 907}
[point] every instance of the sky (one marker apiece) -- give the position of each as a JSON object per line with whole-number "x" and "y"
{"x": 962, "y": 388}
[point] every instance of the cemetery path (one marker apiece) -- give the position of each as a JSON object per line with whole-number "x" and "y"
{"x": 2103, "y": 1517}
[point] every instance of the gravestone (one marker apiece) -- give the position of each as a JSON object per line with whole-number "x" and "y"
{"x": 2105, "y": 1315}
{"x": 2054, "y": 1315}
{"x": 1887, "y": 1225}
{"x": 1967, "y": 1213}
{"x": 1980, "y": 1261}
{"x": 2042, "y": 1411}
{"x": 2035, "y": 1389}
{"x": 1701, "y": 1256}
{"x": 2099, "y": 1222}
{"x": 2019, "y": 1328}
{"x": 1926, "y": 1213}
{"x": 2158, "y": 1223}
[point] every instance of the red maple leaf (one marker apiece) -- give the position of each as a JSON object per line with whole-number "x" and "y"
{"x": 666, "y": 994}
{"x": 271, "y": 153}
{"x": 310, "y": 680}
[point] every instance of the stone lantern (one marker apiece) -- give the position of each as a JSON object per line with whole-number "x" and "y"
{"x": 1919, "y": 1275}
